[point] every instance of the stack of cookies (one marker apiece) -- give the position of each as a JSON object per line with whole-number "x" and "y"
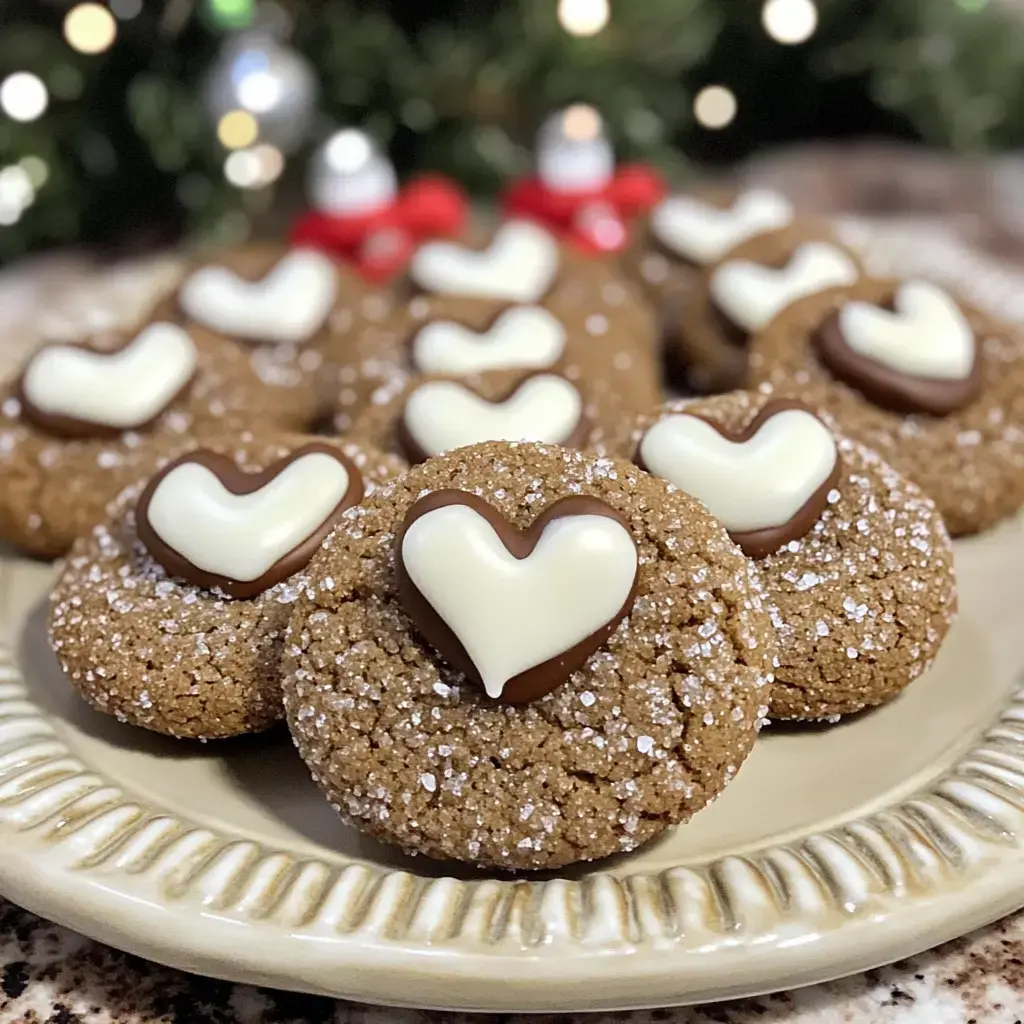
{"x": 516, "y": 608}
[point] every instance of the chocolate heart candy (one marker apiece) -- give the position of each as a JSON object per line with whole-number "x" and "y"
{"x": 441, "y": 415}
{"x": 516, "y": 610}
{"x": 77, "y": 391}
{"x": 208, "y": 521}
{"x": 767, "y": 484}
{"x": 916, "y": 354}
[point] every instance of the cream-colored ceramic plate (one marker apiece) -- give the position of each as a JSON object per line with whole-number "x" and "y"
{"x": 835, "y": 850}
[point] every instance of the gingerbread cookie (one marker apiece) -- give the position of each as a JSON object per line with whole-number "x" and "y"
{"x": 521, "y": 302}
{"x": 527, "y": 657}
{"x": 171, "y": 614}
{"x": 279, "y": 305}
{"x": 908, "y": 368}
{"x": 736, "y": 296}
{"x": 856, "y": 562}
{"x": 685, "y": 233}
{"x": 434, "y": 414}
{"x": 83, "y": 421}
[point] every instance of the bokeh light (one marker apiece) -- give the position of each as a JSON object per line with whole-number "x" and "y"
{"x": 255, "y": 167}
{"x": 583, "y": 17}
{"x": 789, "y": 21}
{"x": 258, "y": 88}
{"x": 581, "y": 122}
{"x": 237, "y": 129}
{"x": 16, "y": 193}
{"x": 125, "y": 10}
{"x": 715, "y": 106}
{"x": 90, "y": 28}
{"x": 271, "y": 162}
{"x": 37, "y": 169}
{"x": 348, "y": 150}
{"x": 231, "y": 13}
{"x": 23, "y": 97}
{"x": 242, "y": 168}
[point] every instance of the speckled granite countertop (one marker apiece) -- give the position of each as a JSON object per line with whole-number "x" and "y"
{"x": 49, "y": 975}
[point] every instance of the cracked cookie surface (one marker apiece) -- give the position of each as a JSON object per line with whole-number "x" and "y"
{"x": 650, "y": 730}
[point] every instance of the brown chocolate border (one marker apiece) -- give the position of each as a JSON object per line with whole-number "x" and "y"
{"x": 239, "y": 481}
{"x": 414, "y": 453}
{"x": 761, "y": 543}
{"x": 535, "y": 682}
{"x": 887, "y": 388}
{"x": 72, "y": 429}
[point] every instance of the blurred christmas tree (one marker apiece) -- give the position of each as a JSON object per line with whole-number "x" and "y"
{"x": 132, "y": 122}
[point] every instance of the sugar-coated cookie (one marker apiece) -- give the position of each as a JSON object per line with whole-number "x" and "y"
{"x": 913, "y": 371}
{"x": 279, "y": 305}
{"x": 433, "y": 413}
{"x": 171, "y": 614}
{"x": 687, "y": 231}
{"x": 855, "y": 560}
{"x": 83, "y": 421}
{"x": 521, "y": 302}
{"x": 736, "y": 296}
{"x": 525, "y": 657}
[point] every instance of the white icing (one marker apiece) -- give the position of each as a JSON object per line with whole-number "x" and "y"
{"x": 442, "y": 415}
{"x": 925, "y": 336}
{"x": 753, "y": 485}
{"x": 703, "y": 233}
{"x": 518, "y": 266}
{"x": 240, "y": 536}
{"x": 751, "y": 294}
{"x": 513, "y": 614}
{"x": 121, "y": 390}
{"x": 287, "y": 306}
{"x": 524, "y": 336}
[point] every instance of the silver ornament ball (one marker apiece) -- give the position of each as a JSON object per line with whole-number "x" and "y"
{"x": 258, "y": 73}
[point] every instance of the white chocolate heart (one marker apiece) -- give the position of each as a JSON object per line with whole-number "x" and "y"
{"x": 751, "y": 485}
{"x": 926, "y": 336}
{"x": 703, "y": 233}
{"x": 750, "y": 294}
{"x": 241, "y": 536}
{"x": 122, "y": 390}
{"x": 518, "y": 266}
{"x": 513, "y": 614}
{"x": 524, "y": 336}
{"x": 442, "y": 415}
{"x": 288, "y": 306}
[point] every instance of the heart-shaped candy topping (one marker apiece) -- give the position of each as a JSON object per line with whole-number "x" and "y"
{"x": 750, "y": 294}
{"x": 524, "y": 336}
{"x": 78, "y": 391}
{"x": 287, "y": 306}
{"x": 766, "y": 485}
{"x": 517, "y": 610}
{"x": 703, "y": 233}
{"x": 919, "y": 356}
{"x": 444, "y": 414}
{"x": 212, "y": 523}
{"x": 519, "y": 265}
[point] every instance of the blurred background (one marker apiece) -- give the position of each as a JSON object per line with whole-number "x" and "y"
{"x": 130, "y": 125}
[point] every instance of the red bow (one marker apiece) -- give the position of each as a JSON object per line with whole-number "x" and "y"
{"x": 378, "y": 245}
{"x": 597, "y": 221}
